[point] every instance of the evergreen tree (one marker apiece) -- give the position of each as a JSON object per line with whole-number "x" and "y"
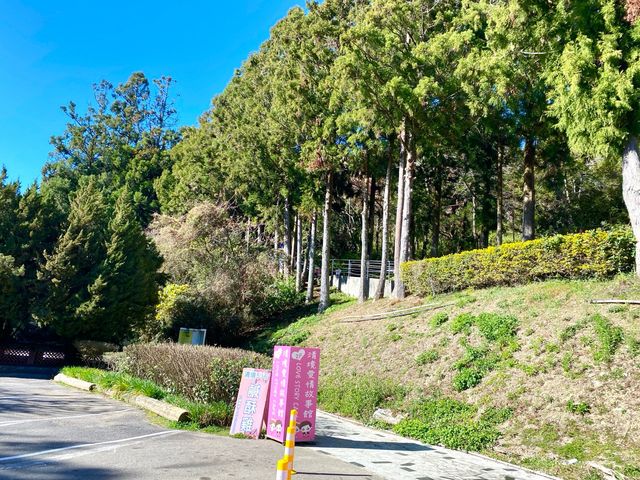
{"x": 126, "y": 289}
{"x": 593, "y": 72}
{"x": 11, "y": 306}
{"x": 73, "y": 265}
{"x": 9, "y": 199}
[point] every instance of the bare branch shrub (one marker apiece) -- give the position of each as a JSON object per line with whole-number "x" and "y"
{"x": 201, "y": 374}
{"x": 229, "y": 280}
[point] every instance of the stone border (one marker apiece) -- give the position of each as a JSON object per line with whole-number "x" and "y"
{"x": 160, "y": 408}
{"x": 74, "y": 382}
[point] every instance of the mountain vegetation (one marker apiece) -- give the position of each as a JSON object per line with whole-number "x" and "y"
{"x": 374, "y": 128}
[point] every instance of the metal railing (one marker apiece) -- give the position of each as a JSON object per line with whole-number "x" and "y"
{"x": 351, "y": 268}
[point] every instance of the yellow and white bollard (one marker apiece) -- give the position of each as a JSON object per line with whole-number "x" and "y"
{"x": 290, "y": 440}
{"x": 285, "y": 464}
{"x": 282, "y": 472}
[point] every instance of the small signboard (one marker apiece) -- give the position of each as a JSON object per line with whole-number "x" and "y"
{"x": 294, "y": 385}
{"x": 192, "y": 336}
{"x": 250, "y": 411}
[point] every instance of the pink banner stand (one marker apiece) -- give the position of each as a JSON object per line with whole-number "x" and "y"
{"x": 294, "y": 385}
{"x": 249, "y": 414}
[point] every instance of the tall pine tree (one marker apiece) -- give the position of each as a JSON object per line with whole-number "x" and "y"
{"x": 126, "y": 289}
{"x": 73, "y": 265}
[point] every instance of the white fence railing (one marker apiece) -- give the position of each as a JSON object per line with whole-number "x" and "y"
{"x": 352, "y": 268}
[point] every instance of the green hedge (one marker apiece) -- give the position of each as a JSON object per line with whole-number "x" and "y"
{"x": 593, "y": 254}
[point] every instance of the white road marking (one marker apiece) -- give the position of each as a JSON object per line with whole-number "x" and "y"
{"x": 51, "y": 419}
{"x": 87, "y": 445}
{"x": 66, "y": 456}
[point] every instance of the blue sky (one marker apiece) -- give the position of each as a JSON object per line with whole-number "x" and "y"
{"x": 53, "y": 51}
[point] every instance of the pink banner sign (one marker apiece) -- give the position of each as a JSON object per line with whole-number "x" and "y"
{"x": 249, "y": 414}
{"x": 294, "y": 385}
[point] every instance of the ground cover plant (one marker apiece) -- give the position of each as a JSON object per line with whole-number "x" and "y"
{"x": 453, "y": 424}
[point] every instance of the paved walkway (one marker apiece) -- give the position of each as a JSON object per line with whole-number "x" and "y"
{"x": 393, "y": 457}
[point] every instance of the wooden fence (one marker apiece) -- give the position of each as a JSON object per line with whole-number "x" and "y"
{"x": 24, "y": 354}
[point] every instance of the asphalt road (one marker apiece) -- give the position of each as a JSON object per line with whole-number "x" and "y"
{"x": 52, "y": 432}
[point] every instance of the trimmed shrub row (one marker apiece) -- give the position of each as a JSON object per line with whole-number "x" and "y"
{"x": 593, "y": 254}
{"x": 200, "y": 374}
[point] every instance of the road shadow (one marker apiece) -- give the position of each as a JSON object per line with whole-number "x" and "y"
{"x": 327, "y": 442}
{"x": 58, "y": 471}
{"x": 36, "y": 373}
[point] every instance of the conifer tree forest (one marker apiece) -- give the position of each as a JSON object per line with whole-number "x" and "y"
{"x": 368, "y": 129}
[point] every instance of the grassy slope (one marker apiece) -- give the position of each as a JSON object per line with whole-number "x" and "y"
{"x": 555, "y": 364}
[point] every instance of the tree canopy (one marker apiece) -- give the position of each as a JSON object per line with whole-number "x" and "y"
{"x": 396, "y": 129}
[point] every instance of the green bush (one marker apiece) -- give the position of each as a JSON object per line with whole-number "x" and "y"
{"x": 473, "y": 366}
{"x": 594, "y": 254}
{"x": 200, "y": 374}
{"x": 462, "y": 323}
{"x": 609, "y": 339}
{"x": 497, "y": 328}
{"x": 281, "y": 296}
{"x": 572, "y": 330}
{"x": 206, "y": 414}
{"x": 357, "y": 396}
{"x": 428, "y": 356}
{"x": 439, "y": 319}
{"x": 454, "y": 424}
{"x": 633, "y": 344}
{"x": 492, "y": 326}
{"x": 579, "y": 408}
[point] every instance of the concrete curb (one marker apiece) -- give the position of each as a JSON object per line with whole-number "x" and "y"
{"x": 160, "y": 408}
{"x": 163, "y": 409}
{"x": 74, "y": 382}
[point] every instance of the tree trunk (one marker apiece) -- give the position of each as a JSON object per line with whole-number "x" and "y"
{"x": 405, "y": 240}
{"x": 287, "y": 236}
{"x": 326, "y": 238}
{"x": 260, "y": 233}
{"x": 363, "y": 294}
{"x": 311, "y": 256}
{"x": 298, "y": 253}
{"x": 385, "y": 231}
{"x": 305, "y": 264}
{"x": 529, "y": 192}
{"x": 435, "y": 233}
{"x": 631, "y": 190}
{"x": 499, "y": 198}
{"x": 294, "y": 245}
{"x": 399, "y": 210}
{"x": 474, "y": 227}
{"x": 372, "y": 212}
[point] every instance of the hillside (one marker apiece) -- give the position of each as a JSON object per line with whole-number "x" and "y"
{"x": 544, "y": 377}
